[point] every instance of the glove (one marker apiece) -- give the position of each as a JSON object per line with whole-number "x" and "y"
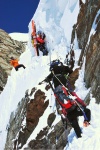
{"x": 46, "y": 80}
{"x": 83, "y": 107}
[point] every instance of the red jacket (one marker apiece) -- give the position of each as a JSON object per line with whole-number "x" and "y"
{"x": 40, "y": 40}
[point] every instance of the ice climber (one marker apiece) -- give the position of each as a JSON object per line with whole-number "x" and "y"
{"x": 41, "y": 44}
{"x": 15, "y": 64}
{"x": 72, "y": 105}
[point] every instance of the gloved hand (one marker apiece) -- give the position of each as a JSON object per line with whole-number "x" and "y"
{"x": 83, "y": 107}
{"x": 46, "y": 80}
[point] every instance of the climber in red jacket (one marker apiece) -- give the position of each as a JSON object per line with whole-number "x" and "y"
{"x": 41, "y": 45}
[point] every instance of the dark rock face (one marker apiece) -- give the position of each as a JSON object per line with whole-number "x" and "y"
{"x": 8, "y": 48}
{"x": 15, "y": 124}
{"x": 92, "y": 71}
{"x": 90, "y": 49}
{"x": 35, "y": 110}
{"x": 50, "y": 119}
{"x": 85, "y": 20}
{"x": 30, "y": 110}
{"x": 56, "y": 139}
{"x": 3, "y": 78}
{"x": 72, "y": 78}
{"x": 70, "y": 58}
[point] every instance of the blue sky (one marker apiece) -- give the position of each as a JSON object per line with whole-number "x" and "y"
{"x": 15, "y": 15}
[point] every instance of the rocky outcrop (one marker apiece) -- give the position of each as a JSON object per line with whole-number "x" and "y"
{"x": 54, "y": 139}
{"x": 3, "y": 78}
{"x": 8, "y": 48}
{"x": 29, "y": 110}
{"x": 92, "y": 69}
{"x": 90, "y": 48}
{"x": 85, "y": 20}
{"x": 16, "y": 126}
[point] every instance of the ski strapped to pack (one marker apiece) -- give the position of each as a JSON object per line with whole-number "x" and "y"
{"x": 34, "y": 41}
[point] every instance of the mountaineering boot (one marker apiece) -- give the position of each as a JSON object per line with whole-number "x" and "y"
{"x": 86, "y": 123}
{"x": 45, "y": 52}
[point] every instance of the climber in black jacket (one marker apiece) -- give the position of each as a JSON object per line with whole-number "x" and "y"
{"x": 59, "y": 71}
{"x": 72, "y": 109}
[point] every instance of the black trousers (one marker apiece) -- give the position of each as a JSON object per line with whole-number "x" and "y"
{"x": 42, "y": 48}
{"x": 72, "y": 117}
{"x": 16, "y": 68}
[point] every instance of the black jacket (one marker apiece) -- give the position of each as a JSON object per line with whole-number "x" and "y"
{"x": 59, "y": 71}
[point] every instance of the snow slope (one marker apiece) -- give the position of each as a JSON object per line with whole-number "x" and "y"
{"x": 23, "y": 37}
